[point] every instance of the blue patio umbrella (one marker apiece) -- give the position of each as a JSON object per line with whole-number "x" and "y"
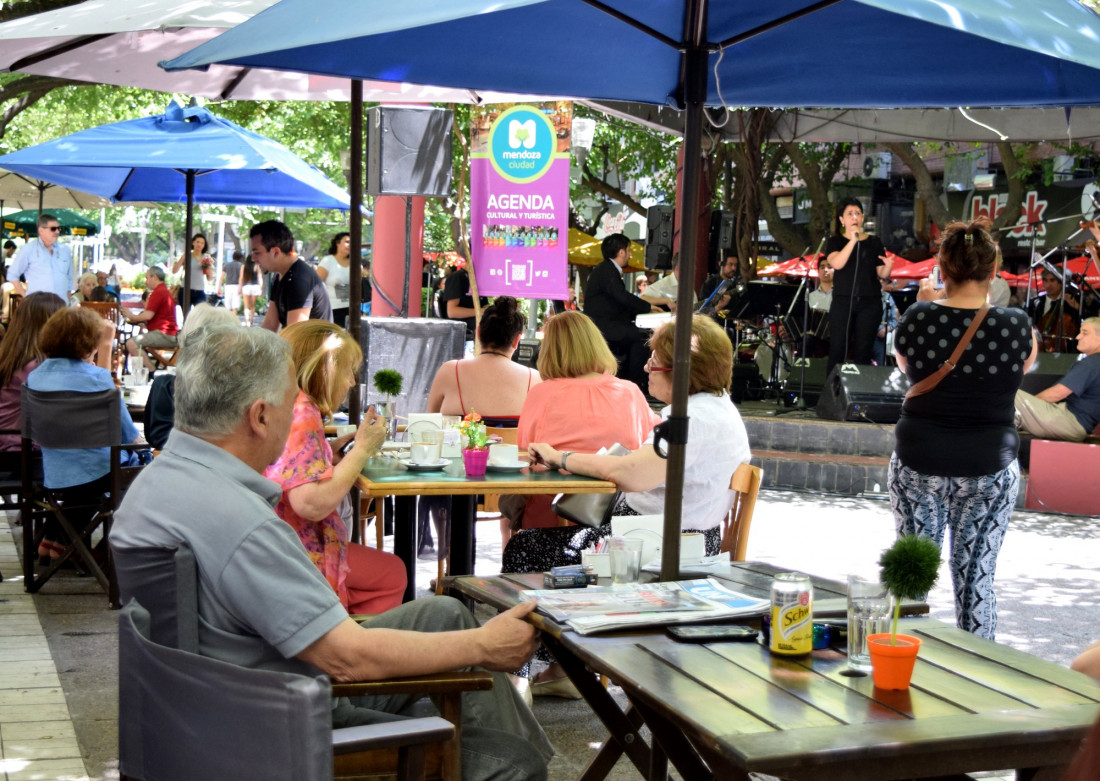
{"x": 690, "y": 54}
{"x": 186, "y": 155}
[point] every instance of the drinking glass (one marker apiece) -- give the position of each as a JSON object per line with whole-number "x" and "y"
{"x": 626, "y": 560}
{"x": 869, "y": 607}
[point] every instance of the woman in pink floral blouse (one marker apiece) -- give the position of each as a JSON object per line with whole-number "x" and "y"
{"x": 315, "y": 481}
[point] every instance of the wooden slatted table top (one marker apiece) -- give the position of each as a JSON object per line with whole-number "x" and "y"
{"x": 973, "y": 704}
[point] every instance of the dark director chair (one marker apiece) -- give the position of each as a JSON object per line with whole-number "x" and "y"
{"x": 69, "y": 420}
{"x": 193, "y": 725}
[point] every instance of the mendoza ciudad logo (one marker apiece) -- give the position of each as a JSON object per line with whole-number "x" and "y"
{"x": 521, "y": 144}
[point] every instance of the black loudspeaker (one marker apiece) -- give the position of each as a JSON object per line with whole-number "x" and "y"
{"x": 870, "y": 393}
{"x": 658, "y": 237}
{"x": 409, "y": 151}
{"x": 721, "y": 232}
{"x": 416, "y": 348}
{"x": 527, "y": 353}
{"x": 811, "y": 386}
{"x": 1047, "y": 370}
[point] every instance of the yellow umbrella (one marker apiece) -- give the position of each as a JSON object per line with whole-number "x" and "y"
{"x": 584, "y": 250}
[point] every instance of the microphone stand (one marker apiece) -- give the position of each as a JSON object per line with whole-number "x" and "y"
{"x": 799, "y": 402}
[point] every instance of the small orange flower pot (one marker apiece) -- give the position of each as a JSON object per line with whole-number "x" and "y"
{"x": 892, "y": 665}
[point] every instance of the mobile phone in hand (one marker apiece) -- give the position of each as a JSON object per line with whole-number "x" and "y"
{"x": 937, "y": 278}
{"x": 347, "y": 447}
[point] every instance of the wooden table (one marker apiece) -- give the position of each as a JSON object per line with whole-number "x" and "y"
{"x": 405, "y": 485}
{"x": 722, "y": 710}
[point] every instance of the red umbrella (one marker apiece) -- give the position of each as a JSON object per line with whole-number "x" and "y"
{"x": 906, "y": 269}
{"x": 794, "y": 267}
{"x": 1083, "y": 265}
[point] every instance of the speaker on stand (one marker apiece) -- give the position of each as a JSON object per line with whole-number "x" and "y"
{"x": 408, "y": 154}
{"x": 658, "y": 241}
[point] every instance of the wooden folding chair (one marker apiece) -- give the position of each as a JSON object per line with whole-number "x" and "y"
{"x": 735, "y": 526}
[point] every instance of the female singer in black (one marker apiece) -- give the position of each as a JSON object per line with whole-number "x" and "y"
{"x": 860, "y": 263}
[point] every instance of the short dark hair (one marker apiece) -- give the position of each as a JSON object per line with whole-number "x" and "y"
{"x": 45, "y": 219}
{"x": 273, "y": 233}
{"x": 238, "y": 255}
{"x": 9, "y": 244}
{"x": 840, "y": 207}
{"x": 613, "y": 245}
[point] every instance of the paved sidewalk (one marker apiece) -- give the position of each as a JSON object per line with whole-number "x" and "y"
{"x": 1047, "y": 581}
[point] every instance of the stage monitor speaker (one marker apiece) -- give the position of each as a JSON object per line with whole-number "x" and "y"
{"x": 409, "y": 151}
{"x": 415, "y": 347}
{"x": 1047, "y": 370}
{"x": 658, "y": 237}
{"x": 870, "y": 393}
{"x": 810, "y": 386}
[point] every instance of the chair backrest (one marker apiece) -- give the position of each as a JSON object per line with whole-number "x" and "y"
{"x": 735, "y": 528}
{"x": 184, "y": 716}
{"x": 508, "y": 434}
{"x": 108, "y": 310}
{"x": 165, "y": 581}
{"x": 71, "y": 419}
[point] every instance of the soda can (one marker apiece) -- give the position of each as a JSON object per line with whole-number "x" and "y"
{"x": 792, "y": 631}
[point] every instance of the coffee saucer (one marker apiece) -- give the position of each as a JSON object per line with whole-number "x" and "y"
{"x": 507, "y": 467}
{"x": 436, "y": 467}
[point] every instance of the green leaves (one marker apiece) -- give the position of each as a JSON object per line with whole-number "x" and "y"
{"x": 388, "y": 381}
{"x": 910, "y": 566}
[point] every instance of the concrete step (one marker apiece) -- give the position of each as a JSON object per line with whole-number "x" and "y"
{"x": 812, "y": 435}
{"x": 822, "y": 473}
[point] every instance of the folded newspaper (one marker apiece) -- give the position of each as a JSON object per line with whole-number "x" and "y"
{"x": 604, "y": 608}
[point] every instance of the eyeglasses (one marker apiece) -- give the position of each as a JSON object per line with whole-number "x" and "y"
{"x": 651, "y": 367}
{"x": 54, "y": 228}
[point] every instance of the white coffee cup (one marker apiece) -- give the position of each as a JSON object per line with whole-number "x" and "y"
{"x": 503, "y": 455}
{"x": 428, "y": 449}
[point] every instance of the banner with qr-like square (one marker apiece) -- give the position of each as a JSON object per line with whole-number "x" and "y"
{"x": 519, "y": 199}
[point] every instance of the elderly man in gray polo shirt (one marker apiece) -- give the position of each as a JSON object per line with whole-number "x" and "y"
{"x": 262, "y": 603}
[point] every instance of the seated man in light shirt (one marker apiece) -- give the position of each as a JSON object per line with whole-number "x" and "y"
{"x": 663, "y": 292}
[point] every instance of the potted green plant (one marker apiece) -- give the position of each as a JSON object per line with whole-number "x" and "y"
{"x": 475, "y": 452}
{"x": 909, "y": 569}
{"x": 388, "y": 382}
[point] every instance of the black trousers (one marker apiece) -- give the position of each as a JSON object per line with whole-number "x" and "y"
{"x": 853, "y": 325}
{"x": 632, "y": 355}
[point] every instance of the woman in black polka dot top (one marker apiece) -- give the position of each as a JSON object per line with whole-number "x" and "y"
{"x": 954, "y": 462}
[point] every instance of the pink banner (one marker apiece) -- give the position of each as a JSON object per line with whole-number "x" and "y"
{"x": 519, "y": 199}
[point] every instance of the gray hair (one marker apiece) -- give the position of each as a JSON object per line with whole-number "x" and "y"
{"x": 222, "y": 371}
{"x": 45, "y": 219}
{"x": 205, "y": 315}
{"x": 156, "y": 271}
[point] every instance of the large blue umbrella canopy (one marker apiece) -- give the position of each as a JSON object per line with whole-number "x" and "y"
{"x": 690, "y": 54}
{"x": 185, "y": 155}
{"x": 772, "y": 53}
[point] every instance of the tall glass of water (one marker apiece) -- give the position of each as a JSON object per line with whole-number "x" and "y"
{"x": 869, "y": 611}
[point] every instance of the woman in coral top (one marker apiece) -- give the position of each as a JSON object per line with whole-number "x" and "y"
{"x": 579, "y": 405}
{"x": 315, "y": 482}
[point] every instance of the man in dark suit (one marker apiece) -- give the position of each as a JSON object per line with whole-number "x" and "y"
{"x": 613, "y": 310}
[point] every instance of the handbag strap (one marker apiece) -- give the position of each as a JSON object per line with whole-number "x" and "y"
{"x": 933, "y": 379}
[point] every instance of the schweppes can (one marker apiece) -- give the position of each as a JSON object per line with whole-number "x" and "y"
{"x": 792, "y": 629}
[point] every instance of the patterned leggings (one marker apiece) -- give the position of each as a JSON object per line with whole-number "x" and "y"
{"x": 978, "y": 510}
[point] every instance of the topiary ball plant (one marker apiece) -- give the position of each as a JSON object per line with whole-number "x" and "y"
{"x": 909, "y": 569}
{"x": 388, "y": 382}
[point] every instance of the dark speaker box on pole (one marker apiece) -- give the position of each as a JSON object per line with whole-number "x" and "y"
{"x": 721, "y": 232}
{"x": 528, "y": 353}
{"x": 658, "y": 237}
{"x": 415, "y": 347}
{"x": 409, "y": 151}
{"x": 1047, "y": 370}
{"x": 868, "y": 393}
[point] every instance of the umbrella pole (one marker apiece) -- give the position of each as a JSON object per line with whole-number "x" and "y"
{"x": 185, "y": 298}
{"x": 355, "y": 271}
{"x": 695, "y": 89}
